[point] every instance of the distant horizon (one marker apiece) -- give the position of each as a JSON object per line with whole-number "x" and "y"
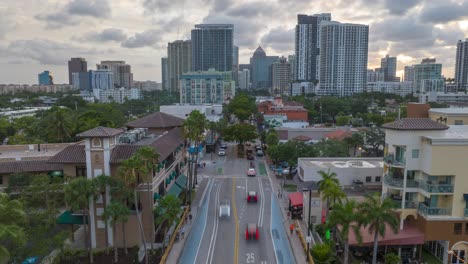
{"x": 38, "y": 37}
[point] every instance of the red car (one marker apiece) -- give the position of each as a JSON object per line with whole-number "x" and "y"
{"x": 251, "y": 172}
{"x": 252, "y": 197}
{"x": 251, "y": 232}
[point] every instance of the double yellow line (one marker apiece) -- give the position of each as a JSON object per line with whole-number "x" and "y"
{"x": 233, "y": 202}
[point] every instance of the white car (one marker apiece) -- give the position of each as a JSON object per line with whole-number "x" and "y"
{"x": 225, "y": 209}
{"x": 222, "y": 152}
{"x": 251, "y": 172}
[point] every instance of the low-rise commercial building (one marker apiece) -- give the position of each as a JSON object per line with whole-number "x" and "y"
{"x": 449, "y": 116}
{"x": 293, "y": 110}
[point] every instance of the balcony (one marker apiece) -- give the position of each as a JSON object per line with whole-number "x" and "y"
{"x": 391, "y": 180}
{"x": 429, "y": 187}
{"x": 391, "y": 160}
{"x": 430, "y": 211}
{"x": 411, "y": 204}
{"x": 466, "y": 212}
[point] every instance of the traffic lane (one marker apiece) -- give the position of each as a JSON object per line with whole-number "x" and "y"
{"x": 256, "y": 251}
{"x": 202, "y": 252}
{"x": 223, "y": 248}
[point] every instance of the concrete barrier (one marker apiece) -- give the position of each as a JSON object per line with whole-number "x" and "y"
{"x": 303, "y": 242}
{"x": 176, "y": 231}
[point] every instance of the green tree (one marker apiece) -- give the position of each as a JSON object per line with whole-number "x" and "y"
{"x": 242, "y": 106}
{"x": 329, "y": 187}
{"x": 376, "y": 214}
{"x": 79, "y": 192}
{"x": 121, "y": 194}
{"x": 272, "y": 138}
{"x": 355, "y": 141}
{"x": 392, "y": 258}
{"x": 6, "y": 129}
{"x": 241, "y": 133}
{"x": 60, "y": 124}
{"x": 342, "y": 120}
{"x": 374, "y": 140}
{"x": 167, "y": 212}
{"x": 72, "y": 102}
{"x": 331, "y": 148}
{"x": 117, "y": 212}
{"x": 322, "y": 253}
{"x": 11, "y": 233}
{"x": 346, "y": 216}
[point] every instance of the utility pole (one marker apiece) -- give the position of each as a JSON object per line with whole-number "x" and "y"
{"x": 308, "y": 221}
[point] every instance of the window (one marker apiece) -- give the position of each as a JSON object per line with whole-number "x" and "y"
{"x": 458, "y": 122}
{"x": 81, "y": 171}
{"x": 457, "y": 228}
{"x": 377, "y": 178}
{"x": 415, "y": 153}
{"x": 368, "y": 178}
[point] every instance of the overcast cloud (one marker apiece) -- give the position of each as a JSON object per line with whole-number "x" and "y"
{"x": 44, "y": 34}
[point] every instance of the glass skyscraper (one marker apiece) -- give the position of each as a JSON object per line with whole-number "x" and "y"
{"x": 212, "y": 47}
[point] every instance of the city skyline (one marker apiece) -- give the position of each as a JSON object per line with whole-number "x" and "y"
{"x": 45, "y": 35}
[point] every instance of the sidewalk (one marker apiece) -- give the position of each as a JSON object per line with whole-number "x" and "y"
{"x": 294, "y": 240}
{"x": 178, "y": 246}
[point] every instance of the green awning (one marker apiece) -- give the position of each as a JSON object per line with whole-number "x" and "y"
{"x": 174, "y": 190}
{"x": 68, "y": 218}
{"x": 156, "y": 196}
{"x": 168, "y": 181}
{"x": 181, "y": 181}
{"x": 56, "y": 173}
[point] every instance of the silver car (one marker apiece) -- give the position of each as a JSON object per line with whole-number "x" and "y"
{"x": 225, "y": 209}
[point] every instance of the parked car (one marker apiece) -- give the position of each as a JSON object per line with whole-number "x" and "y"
{"x": 252, "y": 197}
{"x": 222, "y": 152}
{"x": 251, "y": 232}
{"x": 259, "y": 153}
{"x": 223, "y": 145}
{"x": 251, "y": 172}
{"x": 293, "y": 171}
{"x": 250, "y": 156}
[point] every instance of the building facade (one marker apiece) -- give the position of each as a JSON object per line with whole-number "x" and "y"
{"x": 202, "y": 87}
{"x": 343, "y": 58}
{"x": 118, "y": 95}
{"x": 374, "y": 76}
{"x": 212, "y": 47}
{"x": 147, "y": 85}
{"x": 122, "y": 73}
{"x": 102, "y": 79}
{"x": 409, "y": 74}
{"x": 281, "y": 75}
{"x": 244, "y": 79}
{"x": 164, "y": 74}
{"x": 307, "y": 46}
{"x": 235, "y": 65}
{"x": 388, "y": 67}
{"x": 45, "y": 78}
{"x": 261, "y": 73}
{"x": 400, "y": 88}
{"x": 450, "y": 116}
{"x": 179, "y": 61}
{"x": 18, "y": 88}
{"x": 76, "y": 65}
{"x": 81, "y": 81}
{"x": 424, "y": 173}
{"x": 461, "y": 65}
{"x": 428, "y": 69}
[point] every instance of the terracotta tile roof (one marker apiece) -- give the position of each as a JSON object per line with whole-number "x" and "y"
{"x": 28, "y": 166}
{"x": 302, "y": 138}
{"x": 166, "y": 143}
{"x": 282, "y": 134}
{"x": 338, "y": 135}
{"x": 72, "y": 154}
{"x": 415, "y": 124}
{"x": 100, "y": 132}
{"x": 156, "y": 120}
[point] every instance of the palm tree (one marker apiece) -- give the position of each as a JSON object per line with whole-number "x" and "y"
{"x": 11, "y": 216}
{"x": 117, "y": 212}
{"x": 150, "y": 157}
{"x": 59, "y": 124}
{"x": 392, "y": 258}
{"x": 101, "y": 183}
{"x": 122, "y": 194}
{"x": 129, "y": 172}
{"x": 322, "y": 253}
{"x": 376, "y": 215}
{"x": 167, "y": 212}
{"x": 79, "y": 192}
{"x": 329, "y": 187}
{"x": 194, "y": 127}
{"x": 347, "y": 216}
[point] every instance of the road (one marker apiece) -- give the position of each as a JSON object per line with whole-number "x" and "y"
{"x": 222, "y": 240}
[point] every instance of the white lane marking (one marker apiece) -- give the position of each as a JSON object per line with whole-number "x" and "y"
{"x": 246, "y": 190}
{"x": 210, "y": 183}
{"x": 271, "y": 230}
{"x": 262, "y": 203}
{"x": 215, "y": 228}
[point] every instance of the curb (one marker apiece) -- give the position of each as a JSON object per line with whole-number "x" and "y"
{"x": 171, "y": 242}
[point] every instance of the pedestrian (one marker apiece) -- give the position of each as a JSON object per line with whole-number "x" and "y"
{"x": 190, "y": 218}
{"x": 204, "y": 164}
{"x": 291, "y": 227}
{"x": 182, "y": 232}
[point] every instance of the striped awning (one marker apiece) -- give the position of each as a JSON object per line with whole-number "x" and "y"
{"x": 174, "y": 190}
{"x": 181, "y": 181}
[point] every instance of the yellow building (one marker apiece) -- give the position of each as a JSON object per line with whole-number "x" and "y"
{"x": 426, "y": 174}
{"x": 449, "y": 116}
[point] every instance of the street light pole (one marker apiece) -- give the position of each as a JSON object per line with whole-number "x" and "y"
{"x": 308, "y": 220}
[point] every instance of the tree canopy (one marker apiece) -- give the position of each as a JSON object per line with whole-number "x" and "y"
{"x": 242, "y": 106}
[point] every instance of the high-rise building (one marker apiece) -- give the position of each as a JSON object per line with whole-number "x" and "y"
{"x": 461, "y": 65}
{"x": 292, "y": 62}
{"x": 261, "y": 69}
{"x": 428, "y": 74}
{"x": 212, "y": 47}
{"x": 202, "y": 87}
{"x": 409, "y": 74}
{"x": 81, "y": 81}
{"x": 76, "y": 65}
{"x": 45, "y": 78}
{"x": 235, "y": 64}
{"x": 179, "y": 61}
{"x": 281, "y": 75}
{"x": 244, "y": 79}
{"x": 164, "y": 75}
{"x": 122, "y": 72}
{"x": 343, "y": 58}
{"x": 102, "y": 79}
{"x": 374, "y": 76}
{"x": 307, "y": 46}
{"x": 388, "y": 68}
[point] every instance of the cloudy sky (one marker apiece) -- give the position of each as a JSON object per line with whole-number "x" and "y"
{"x": 38, "y": 35}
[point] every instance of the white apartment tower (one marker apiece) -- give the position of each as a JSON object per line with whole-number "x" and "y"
{"x": 461, "y": 65}
{"x": 343, "y": 58}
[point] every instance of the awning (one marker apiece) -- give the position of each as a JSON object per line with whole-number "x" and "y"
{"x": 295, "y": 199}
{"x": 68, "y": 218}
{"x": 465, "y": 196}
{"x": 156, "y": 196}
{"x": 410, "y": 235}
{"x": 181, "y": 181}
{"x": 174, "y": 190}
{"x": 56, "y": 173}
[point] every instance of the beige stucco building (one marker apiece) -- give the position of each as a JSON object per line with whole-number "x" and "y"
{"x": 426, "y": 174}
{"x": 449, "y": 116}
